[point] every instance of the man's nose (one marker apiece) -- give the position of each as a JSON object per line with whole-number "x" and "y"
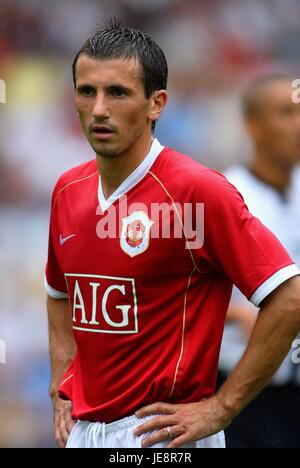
{"x": 101, "y": 110}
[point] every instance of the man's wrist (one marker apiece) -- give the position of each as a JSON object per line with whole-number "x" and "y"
{"x": 228, "y": 407}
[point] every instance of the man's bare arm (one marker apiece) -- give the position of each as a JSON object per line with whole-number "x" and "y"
{"x": 277, "y": 326}
{"x": 62, "y": 350}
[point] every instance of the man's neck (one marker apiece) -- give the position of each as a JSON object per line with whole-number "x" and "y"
{"x": 116, "y": 169}
{"x": 271, "y": 173}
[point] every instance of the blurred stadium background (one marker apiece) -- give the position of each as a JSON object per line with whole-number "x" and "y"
{"x": 213, "y": 48}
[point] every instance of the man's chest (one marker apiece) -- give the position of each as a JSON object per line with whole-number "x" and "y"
{"x": 118, "y": 264}
{"x": 142, "y": 234}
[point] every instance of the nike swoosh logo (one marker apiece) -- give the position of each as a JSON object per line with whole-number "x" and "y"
{"x": 63, "y": 240}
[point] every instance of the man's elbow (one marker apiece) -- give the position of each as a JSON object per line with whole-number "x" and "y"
{"x": 291, "y": 300}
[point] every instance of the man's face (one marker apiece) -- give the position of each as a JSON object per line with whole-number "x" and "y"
{"x": 111, "y": 103}
{"x": 276, "y": 125}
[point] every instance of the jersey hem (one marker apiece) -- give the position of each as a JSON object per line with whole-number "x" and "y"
{"x": 54, "y": 293}
{"x": 273, "y": 283}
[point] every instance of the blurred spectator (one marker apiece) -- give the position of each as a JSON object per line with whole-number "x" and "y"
{"x": 13, "y": 189}
{"x": 270, "y": 185}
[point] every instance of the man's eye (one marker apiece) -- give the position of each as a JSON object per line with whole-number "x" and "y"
{"x": 86, "y": 91}
{"x": 118, "y": 92}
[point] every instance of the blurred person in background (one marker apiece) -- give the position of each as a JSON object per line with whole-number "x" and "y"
{"x": 270, "y": 185}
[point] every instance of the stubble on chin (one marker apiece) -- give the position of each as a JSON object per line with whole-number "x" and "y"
{"x": 106, "y": 152}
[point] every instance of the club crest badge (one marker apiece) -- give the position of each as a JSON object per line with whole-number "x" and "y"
{"x": 135, "y": 235}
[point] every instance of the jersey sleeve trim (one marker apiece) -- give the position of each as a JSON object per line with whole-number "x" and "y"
{"x": 53, "y": 292}
{"x": 273, "y": 283}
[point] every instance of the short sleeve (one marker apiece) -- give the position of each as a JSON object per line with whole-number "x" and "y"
{"x": 55, "y": 283}
{"x": 239, "y": 245}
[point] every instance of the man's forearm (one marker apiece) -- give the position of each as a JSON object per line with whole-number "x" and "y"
{"x": 61, "y": 340}
{"x": 276, "y": 327}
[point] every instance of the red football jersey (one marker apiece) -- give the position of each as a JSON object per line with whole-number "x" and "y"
{"x": 149, "y": 310}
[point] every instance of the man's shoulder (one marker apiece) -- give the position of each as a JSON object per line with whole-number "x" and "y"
{"x": 76, "y": 174}
{"x": 179, "y": 171}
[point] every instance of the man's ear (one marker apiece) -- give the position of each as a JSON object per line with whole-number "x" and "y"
{"x": 158, "y": 102}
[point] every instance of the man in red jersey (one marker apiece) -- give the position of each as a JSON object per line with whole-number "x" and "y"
{"x": 137, "y": 311}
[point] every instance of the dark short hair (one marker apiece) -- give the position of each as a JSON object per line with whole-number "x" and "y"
{"x": 115, "y": 42}
{"x": 252, "y": 99}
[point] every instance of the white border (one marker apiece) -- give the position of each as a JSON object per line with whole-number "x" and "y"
{"x": 54, "y": 293}
{"x": 131, "y": 280}
{"x": 273, "y": 283}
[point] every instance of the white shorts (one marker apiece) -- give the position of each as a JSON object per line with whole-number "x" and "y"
{"x": 120, "y": 435}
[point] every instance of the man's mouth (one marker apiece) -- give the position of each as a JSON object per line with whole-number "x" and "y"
{"x": 102, "y": 131}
